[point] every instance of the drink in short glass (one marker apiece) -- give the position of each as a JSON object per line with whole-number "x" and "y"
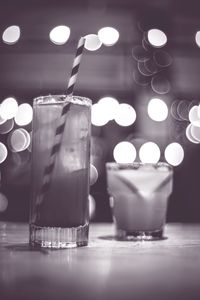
{"x": 60, "y": 217}
{"x": 139, "y": 195}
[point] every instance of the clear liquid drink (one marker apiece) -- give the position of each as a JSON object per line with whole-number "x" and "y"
{"x": 60, "y": 218}
{"x": 138, "y": 198}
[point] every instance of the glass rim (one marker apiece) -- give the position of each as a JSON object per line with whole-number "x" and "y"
{"x": 136, "y": 165}
{"x": 62, "y": 98}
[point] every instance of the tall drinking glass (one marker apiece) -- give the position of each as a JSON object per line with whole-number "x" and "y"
{"x": 139, "y": 195}
{"x": 59, "y": 215}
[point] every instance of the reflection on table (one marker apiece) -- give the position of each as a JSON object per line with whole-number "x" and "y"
{"x": 106, "y": 269}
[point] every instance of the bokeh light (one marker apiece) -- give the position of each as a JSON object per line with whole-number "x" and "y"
{"x": 124, "y": 152}
{"x": 174, "y": 154}
{"x": 174, "y": 110}
{"x": 140, "y": 54}
{"x": 195, "y": 132}
{"x": 194, "y": 115}
{"x": 98, "y": 115}
{"x": 198, "y": 111}
{"x": 3, "y": 202}
{"x": 110, "y": 105}
{"x": 92, "y": 207}
{"x": 189, "y": 135}
{"x": 160, "y": 84}
{"x": 149, "y": 153}
{"x": 2, "y": 120}
{"x": 142, "y": 68}
{"x": 182, "y": 110}
{"x": 6, "y": 126}
{"x": 29, "y": 148}
{"x": 193, "y": 103}
{"x": 125, "y": 115}
{"x": 24, "y": 115}
{"x": 162, "y": 58}
{"x": 93, "y": 174}
{"x": 151, "y": 66}
{"x": 141, "y": 79}
{"x": 157, "y": 110}
{"x": 92, "y": 42}
{"x": 11, "y": 35}
{"x": 108, "y": 36}
{"x": 9, "y": 108}
{"x": 3, "y": 152}
{"x": 197, "y": 38}
{"x": 18, "y": 140}
{"x": 157, "y": 38}
{"x": 59, "y": 35}
{"x": 27, "y": 136}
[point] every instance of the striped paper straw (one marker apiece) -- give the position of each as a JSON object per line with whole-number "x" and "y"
{"x": 75, "y": 67}
{"x": 60, "y": 128}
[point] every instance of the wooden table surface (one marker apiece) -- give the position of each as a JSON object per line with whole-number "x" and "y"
{"x": 106, "y": 269}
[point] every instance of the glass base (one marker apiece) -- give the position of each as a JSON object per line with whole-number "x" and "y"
{"x": 138, "y": 235}
{"x": 57, "y": 237}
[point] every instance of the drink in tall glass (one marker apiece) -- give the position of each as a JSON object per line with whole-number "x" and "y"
{"x": 59, "y": 216}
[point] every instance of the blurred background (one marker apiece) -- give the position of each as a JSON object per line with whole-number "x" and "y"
{"x": 140, "y": 67}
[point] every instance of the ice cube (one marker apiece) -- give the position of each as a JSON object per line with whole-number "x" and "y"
{"x": 70, "y": 158}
